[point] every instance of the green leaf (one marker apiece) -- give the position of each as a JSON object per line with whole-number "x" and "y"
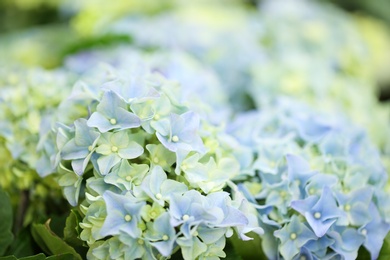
{"x": 71, "y": 230}
{"x": 23, "y": 244}
{"x": 40, "y": 256}
{"x": 32, "y": 257}
{"x": 62, "y": 257}
{"x": 50, "y": 242}
{"x": 251, "y": 249}
{"x": 363, "y": 254}
{"x": 385, "y": 251}
{"x": 6, "y": 236}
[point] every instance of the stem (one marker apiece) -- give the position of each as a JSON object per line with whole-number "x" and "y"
{"x": 22, "y": 209}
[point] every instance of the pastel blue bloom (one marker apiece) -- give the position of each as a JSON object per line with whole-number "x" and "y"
{"x": 311, "y": 127}
{"x": 374, "y": 232}
{"x": 123, "y": 215}
{"x": 305, "y": 254}
{"x": 298, "y": 170}
{"x": 191, "y": 209}
{"x": 135, "y": 247}
{"x": 293, "y": 236}
{"x": 347, "y": 241}
{"x": 80, "y": 148}
{"x": 180, "y": 132}
{"x": 161, "y": 234}
{"x": 320, "y": 246}
{"x": 159, "y": 188}
{"x": 132, "y": 89}
{"x": 111, "y": 113}
{"x": 321, "y": 213}
{"x": 124, "y": 175}
{"x": 316, "y": 183}
{"x": 355, "y": 205}
{"x": 112, "y": 147}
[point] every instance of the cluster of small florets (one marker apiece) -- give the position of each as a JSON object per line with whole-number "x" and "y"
{"x": 27, "y": 98}
{"x": 317, "y": 182}
{"x": 149, "y": 171}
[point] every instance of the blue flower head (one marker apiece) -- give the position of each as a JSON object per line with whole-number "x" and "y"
{"x": 320, "y": 212}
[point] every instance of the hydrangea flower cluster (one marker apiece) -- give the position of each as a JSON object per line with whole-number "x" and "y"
{"x": 331, "y": 76}
{"x": 176, "y": 66}
{"x": 149, "y": 171}
{"x": 28, "y": 97}
{"x": 317, "y": 182}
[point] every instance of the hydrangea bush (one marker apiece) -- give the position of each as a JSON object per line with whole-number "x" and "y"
{"x": 150, "y": 173}
{"x": 28, "y": 97}
{"x": 317, "y": 182}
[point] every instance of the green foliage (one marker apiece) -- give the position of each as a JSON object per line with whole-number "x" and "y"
{"x": 247, "y": 249}
{"x": 6, "y": 235}
{"x": 49, "y": 242}
{"x": 385, "y": 252}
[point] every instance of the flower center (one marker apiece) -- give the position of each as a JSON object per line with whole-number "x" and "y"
{"x": 302, "y": 257}
{"x": 140, "y": 242}
{"x": 113, "y": 121}
{"x": 347, "y": 207}
{"x": 283, "y": 194}
{"x": 312, "y": 191}
{"x": 90, "y": 148}
{"x": 128, "y": 178}
{"x": 152, "y": 214}
{"x": 317, "y": 215}
{"x": 114, "y": 149}
{"x": 293, "y": 236}
{"x": 127, "y": 218}
{"x": 364, "y": 231}
{"x": 165, "y": 237}
{"x": 156, "y": 117}
{"x": 195, "y": 234}
{"x": 158, "y": 196}
{"x": 185, "y": 217}
{"x": 175, "y": 138}
{"x": 155, "y": 160}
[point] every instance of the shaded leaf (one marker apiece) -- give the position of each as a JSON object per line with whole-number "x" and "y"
{"x": 71, "y": 230}
{"x": 251, "y": 249}
{"x": 385, "y": 251}
{"x": 23, "y": 244}
{"x": 6, "y": 236}
{"x": 50, "y": 242}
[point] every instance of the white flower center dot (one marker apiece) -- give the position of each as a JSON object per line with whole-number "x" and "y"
{"x": 114, "y": 149}
{"x": 185, "y": 217}
{"x": 293, "y": 236}
{"x": 155, "y": 160}
{"x": 195, "y": 234}
{"x": 317, "y": 215}
{"x": 128, "y": 178}
{"x": 90, "y": 148}
{"x": 283, "y": 194}
{"x": 127, "y": 218}
{"x": 364, "y": 231}
{"x": 156, "y": 117}
{"x": 312, "y": 191}
{"x": 347, "y": 207}
{"x": 140, "y": 242}
{"x": 302, "y": 257}
{"x": 113, "y": 121}
{"x": 158, "y": 196}
{"x": 175, "y": 138}
{"x": 165, "y": 237}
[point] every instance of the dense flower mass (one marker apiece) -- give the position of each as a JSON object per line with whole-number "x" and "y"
{"x": 153, "y": 171}
{"x": 194, "y": 130}
{"x": 317, "y": 181}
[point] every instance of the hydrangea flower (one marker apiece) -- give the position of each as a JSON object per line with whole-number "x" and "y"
{"x": 28, "y": 99}
{"x": 134, "y": 179}
{"x": 324, "y": 186}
